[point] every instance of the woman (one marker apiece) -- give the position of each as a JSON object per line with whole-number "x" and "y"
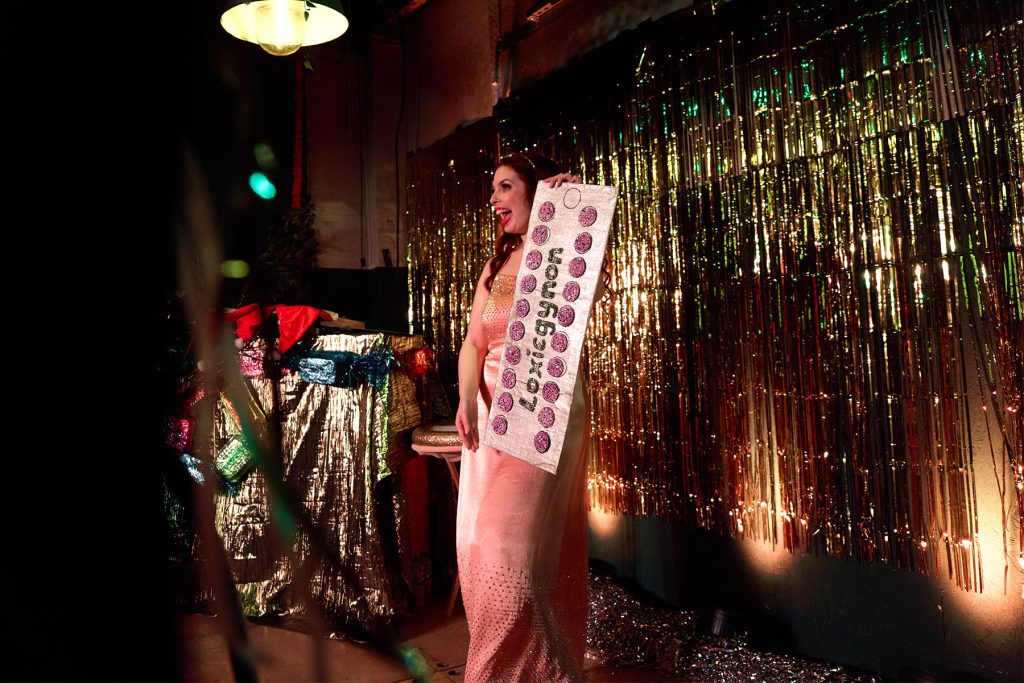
{"x": 521, "y": 532}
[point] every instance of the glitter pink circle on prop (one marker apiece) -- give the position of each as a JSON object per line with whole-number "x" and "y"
{"x": 583, "y": 242}
{"x": 588, "y": 215}
{"x": 577, "y": 266}
{"x": 566, "y": 315}
{"x": 550, "y": 392}
{"x": 508, "y": 378}
{"x": 541, "y": 234}
{"x": 546, "y": 417}
{"x": 516, "y": 330}
{"x": 513, "y": 355}
{"x": 559, "y": 342}
{"x": 533, "y": 260}
{"x": 505, "y": 401}
{"x": 556, "y": 367}
{"x": 571, "y": 292}
{"x": 527, "y": 284}
{"x": 522, "y": 308}
{"x": 499, "y": 424}
{"x": 542, "y": 442}
{"x": 546, "y": 211}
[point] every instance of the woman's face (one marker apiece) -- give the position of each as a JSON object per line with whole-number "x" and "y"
{"x": 511, "y": 200}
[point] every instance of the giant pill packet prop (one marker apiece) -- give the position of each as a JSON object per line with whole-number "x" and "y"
{"x": 562, "y": 254}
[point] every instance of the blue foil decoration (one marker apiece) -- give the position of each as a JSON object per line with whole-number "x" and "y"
{"x": 318, "y": 370}
{"x": 192, "y": 465}
{"x": 373, "y": 368}
{"x": 342, "y": 368}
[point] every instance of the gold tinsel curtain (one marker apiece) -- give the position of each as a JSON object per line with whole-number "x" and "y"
{"x": 816, "y": 260}
{"x": 451, "y": 235}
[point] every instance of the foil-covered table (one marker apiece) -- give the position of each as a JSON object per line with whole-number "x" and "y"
{"x": 340, "y": 449}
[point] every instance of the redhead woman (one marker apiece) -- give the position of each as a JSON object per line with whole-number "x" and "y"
{"x": 521, "y": 532}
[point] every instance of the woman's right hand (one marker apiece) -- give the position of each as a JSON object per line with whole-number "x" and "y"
{"x": 465, "y": 423}
{"x": 557, "y": 180}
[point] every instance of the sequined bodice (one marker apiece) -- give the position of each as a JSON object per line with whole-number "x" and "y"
{"x": 498, "y": 307}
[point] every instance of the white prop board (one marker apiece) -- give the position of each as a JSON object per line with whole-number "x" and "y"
{"x": 562, "y": 254}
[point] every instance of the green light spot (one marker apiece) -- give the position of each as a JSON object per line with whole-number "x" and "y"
{"x": 760, "y": 97}
{"x": 264, "y": 155}
{"x": 234, "y": 269}
{"x": 262, "y": 186}
{"x": 414, "y": 661}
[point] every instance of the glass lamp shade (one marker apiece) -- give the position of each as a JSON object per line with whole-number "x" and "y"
{"x": 274, "y": 24}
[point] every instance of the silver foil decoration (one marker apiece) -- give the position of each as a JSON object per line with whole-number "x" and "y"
{"x": 339, "y": 448}
{"x": 624, "y": 632}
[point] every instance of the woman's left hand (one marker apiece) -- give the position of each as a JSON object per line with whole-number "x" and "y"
{"x": 557, "y": 180}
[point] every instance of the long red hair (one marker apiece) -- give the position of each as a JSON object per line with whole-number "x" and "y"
{"x": 532, "y": 168}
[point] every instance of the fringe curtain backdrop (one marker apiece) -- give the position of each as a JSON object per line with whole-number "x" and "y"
{"x": 452, "y": 233}
{"x": 816, "y": 261}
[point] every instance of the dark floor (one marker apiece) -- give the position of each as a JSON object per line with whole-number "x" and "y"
{"x": 284, "y": 655}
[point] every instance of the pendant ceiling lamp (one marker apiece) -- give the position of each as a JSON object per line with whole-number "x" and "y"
{"x": 281, "y": 27}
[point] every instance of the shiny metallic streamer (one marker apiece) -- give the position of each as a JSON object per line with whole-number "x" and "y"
{"x": 339, "y": 447}
{"x": 816, "y": 263}
{"x": 452, "y": 233}
{"x": 624, "y": 632}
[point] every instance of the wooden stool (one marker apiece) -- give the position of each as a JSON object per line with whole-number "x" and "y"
{"x": 442, "y": 440}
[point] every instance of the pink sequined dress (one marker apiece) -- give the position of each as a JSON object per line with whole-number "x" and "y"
{"x": 522, "y": 541}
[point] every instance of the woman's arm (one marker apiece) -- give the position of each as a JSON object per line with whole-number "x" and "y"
{"x": 471, "y": 359}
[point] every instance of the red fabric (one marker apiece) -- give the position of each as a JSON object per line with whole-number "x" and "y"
{"x": 293, "y": 321}
{"x": 415, "y": 482}
{"x": 246, "y": 319}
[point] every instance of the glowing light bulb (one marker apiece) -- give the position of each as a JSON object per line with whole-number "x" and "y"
{"x": 281, "y": 26}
